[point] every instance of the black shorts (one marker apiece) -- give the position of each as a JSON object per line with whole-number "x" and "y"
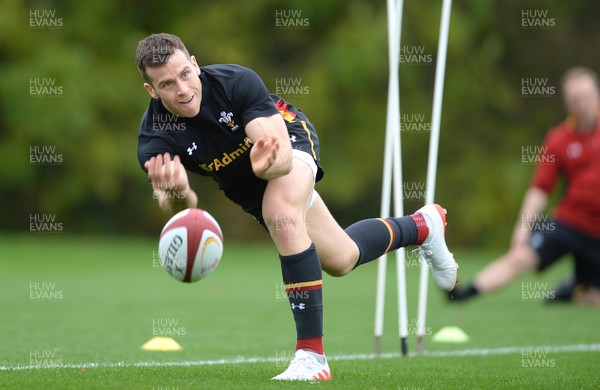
{"x": 553, "y": 239}
{"x": 248, "y": 192}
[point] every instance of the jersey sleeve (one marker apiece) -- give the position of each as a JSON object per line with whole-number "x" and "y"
{"x": 547, "y": 171}
{"x": 251, "y": 97}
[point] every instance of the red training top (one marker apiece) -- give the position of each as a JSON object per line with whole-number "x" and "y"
{"x": 575, "y": 155}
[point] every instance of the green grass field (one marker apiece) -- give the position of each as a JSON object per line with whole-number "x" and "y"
{"x": 80, "y": 308}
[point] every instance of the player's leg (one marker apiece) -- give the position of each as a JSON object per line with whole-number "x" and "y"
{"x": 284, "y": 208}
{"x": 343, "y": 250}
{"x": 284, "y": 211}
{"x": 337, "y": 251}
{"x": 366, "y": 240}
{"x": 587, "y": 288}
{"x": 544, "y": 249}
{"x": 586, "y": 253}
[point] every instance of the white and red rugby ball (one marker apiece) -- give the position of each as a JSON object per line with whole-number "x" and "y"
{"x": 191, "y": 245}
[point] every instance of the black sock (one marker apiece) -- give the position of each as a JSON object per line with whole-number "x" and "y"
{"x": 462, "y": 294}
{"x": 375, "y": 237}
{"x": 302, "y": 277}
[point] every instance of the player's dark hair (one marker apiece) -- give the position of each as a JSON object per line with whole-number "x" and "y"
{"x": 579, "y": 71}
{"x": 155, "y": 50}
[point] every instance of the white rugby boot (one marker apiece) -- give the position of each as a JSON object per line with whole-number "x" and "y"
{"x": 306, "y": 366}
{"x": 434, "y": 250}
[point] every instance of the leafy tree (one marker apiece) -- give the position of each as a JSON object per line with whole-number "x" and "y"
{"x": 338, "y": 55}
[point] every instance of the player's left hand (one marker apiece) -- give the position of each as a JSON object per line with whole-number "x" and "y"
{"x": 263, "y": 155}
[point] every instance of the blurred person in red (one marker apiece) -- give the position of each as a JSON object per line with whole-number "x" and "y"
{"x": 571, "y": 152}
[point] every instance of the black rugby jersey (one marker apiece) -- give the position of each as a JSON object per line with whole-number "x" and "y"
{"x": 214, "y": 142}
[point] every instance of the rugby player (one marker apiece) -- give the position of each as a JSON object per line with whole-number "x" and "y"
{"x": 264, "y": 155}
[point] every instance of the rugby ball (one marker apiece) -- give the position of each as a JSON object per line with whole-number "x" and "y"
{"x": 191, "y": 245}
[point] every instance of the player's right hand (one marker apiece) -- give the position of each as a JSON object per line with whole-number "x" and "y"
{"x": 167, "y": 175}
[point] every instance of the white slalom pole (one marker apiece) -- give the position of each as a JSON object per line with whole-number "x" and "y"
{"x": 438, "y": 92}
{"x": 392, "y": 127}
{"x": 400, "y": 253}
{"x": 398, "y": 197}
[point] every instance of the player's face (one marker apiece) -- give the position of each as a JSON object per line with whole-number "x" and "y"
{"x": 582, "y": 99}
{"x": 177, "y": 85}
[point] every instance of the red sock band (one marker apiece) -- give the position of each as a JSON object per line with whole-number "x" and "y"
{"x": 315, "y": 344}
{"x": 422, "y": 229}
